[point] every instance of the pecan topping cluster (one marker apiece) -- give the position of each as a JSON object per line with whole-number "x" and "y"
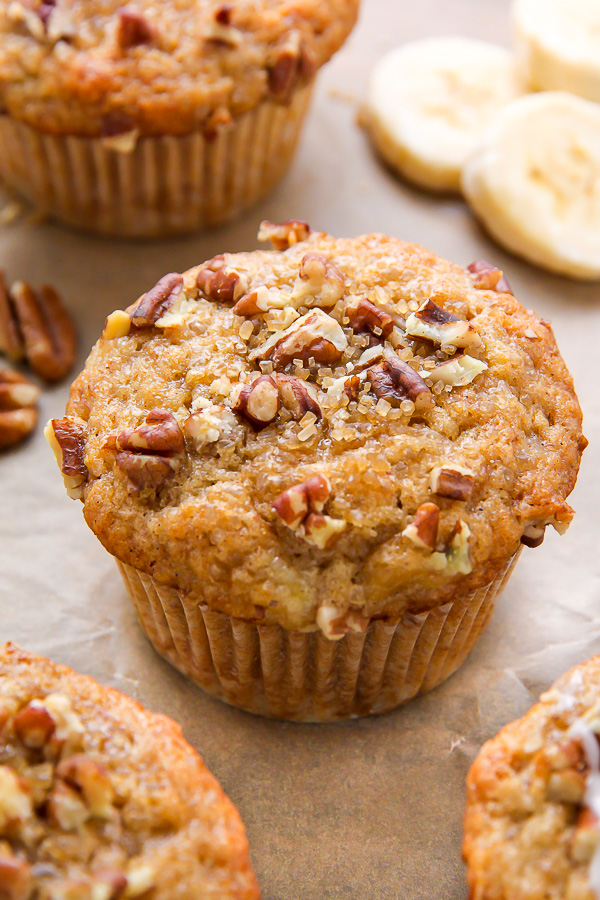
{"x": 301, "y": 507}
{"x": 53, "y": 796}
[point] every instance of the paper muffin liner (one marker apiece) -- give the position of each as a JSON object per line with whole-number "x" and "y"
{"x": 303, "y": 676}
{"x": 163, "y": 185}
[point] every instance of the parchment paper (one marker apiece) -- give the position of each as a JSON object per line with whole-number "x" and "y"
{"x": 371, "y": 808}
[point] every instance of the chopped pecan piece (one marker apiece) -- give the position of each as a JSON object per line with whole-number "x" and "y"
{"x": 352, "y": 387}
{"x": 321, "y": 531}
{"x": 133, "y": 28}
{"x": 314, "y": 336}
{"x": 149, "y": 454}
{"x": 586, "y": 837}
{"x": 220, "y": 283}
{"x": 67, "y": 439}
{"x": 424, "y": 530}
{"x": 300, "y": 508}
{"x": 432, "y": 323}
{"x": 223, "y": 14}
{"x": 319, "y": 282}
{"x": 297, "y": 396}
{"x": 488, "y": 277}
{"x": 117, "y": 324}
{"x": 365, "y": 316}
{"x": 91, "y": 780}
{"x": 285, "y": 234}
{"x": 16, "y": 882}
{"x": 394, "y": 380}
{"x": 533, "y": 534}
{"x": 455, "y": 559}
{"x": 66, "y": 808}
{"x": 34, "y": 726}
{"x": 452, "y": 481}
{"x": 157, "y": 301}
{"x": 335, "y": 624}
{"x": 18, "y": 408}
{"x": 15, "y": 798}
{"x": 259, "y": 402}
{"x": 34, "y": 326}
{"x": 291, "y": 63}
{"x": 458, "y": 371}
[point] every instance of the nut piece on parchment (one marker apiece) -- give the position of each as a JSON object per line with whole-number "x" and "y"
{"x": 452, "y": 480}
{"x": 300, "y": 508}
{"x": 488, "y": 277}
{"x": 432, "y": 323}
{"x": 315, "y": 336}
{"x": 67, "y": 438}
{"x": 36, "y": 328}
{"x": 394, "y": 380}
{"x": 150, "y": 454}
{"x": 424, "y": 530}
{"x": 18, "y": 408}
{"x": 157, "y": 301}
{"x": 259, "y": 402}
{"x": 284, "y": 235}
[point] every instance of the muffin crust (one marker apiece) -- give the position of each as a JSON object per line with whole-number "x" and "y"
{"x": 100, "y": 799}
{"x": 101, "y": 67}
{"x": 329, "y": 502}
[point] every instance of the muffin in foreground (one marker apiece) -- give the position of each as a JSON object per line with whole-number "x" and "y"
{"x": 149, "y": 118}
{"x": 102, "y": 800}
{"x": 316, "y": 465}
{"x": 532, "y": 826}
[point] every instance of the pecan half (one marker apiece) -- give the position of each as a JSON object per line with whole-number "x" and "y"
{"x": 452, "y": 481}
{"x": 157, "y": 301}
{"x": 300, "y": 508}
{"x": 394, "y": 380}
{"x": 220, "y": 283}
{"x": 148, "y": 455}
{"x": 432, "y": 323}
{"x": 67, "y": 439}
{"x": 456, "y": 372}
{"x": 319, "y": 282}
{"x": 18, "y": 408}
{"x": 259, "y": 402}
{"x": 133, "y": 28}
{"x": 488, "y": 277}
{"x": 284, "y": 235}
{"x": 34, "y": 326}
{"x": 297, "y": 396}
{"x": 365, "y": 316}
{"x": 335, "y": 624}
{"x": 314, "y": 336}
{"x": 424, "y": 530}
{"x": 16, "y": 882}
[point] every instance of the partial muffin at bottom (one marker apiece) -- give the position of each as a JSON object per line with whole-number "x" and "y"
{"x": 102, "y": 800}
{"x": 316, "y": 465}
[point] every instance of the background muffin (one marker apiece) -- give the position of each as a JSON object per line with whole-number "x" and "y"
{"x": 347, "y": 440}
{"x": 531, "y": 826}
{"x": 100, "y": 799}
{"x": 148, "y": 117}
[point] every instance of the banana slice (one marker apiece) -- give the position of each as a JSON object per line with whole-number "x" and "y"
{"x": 558, "y": 45}
{"x": 535, "y": 182}
{"x": 429, "y": 101}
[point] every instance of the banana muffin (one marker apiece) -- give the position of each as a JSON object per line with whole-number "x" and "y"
{"x": 532, "y": 826}
{"x": 146, "y": 118}
{"x": 317, "y": 464}
{"x": 102, "y": 800}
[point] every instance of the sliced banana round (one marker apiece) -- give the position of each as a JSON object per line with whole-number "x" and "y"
{"x": 535, "y": 182}
{"x": 428, "y": 103}
{"x": 558, "y": 45}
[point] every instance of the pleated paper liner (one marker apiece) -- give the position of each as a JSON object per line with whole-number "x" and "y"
{"x": 301, "y": 676}
{"x": 164, "y": 185}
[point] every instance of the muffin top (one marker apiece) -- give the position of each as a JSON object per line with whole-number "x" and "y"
{"x": 101, "y": 67}
{"x": 335, "y": 426}
{"x": 102, "y": 800}
{"x": 533, "y": 799}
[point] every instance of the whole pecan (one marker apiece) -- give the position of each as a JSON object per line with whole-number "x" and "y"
{"x": 149, "y": 454}
{"x": 36, "y": 328}
{"x": 157, "y": 301}
{"x": 394, "y": 380}
{"x": 18, "y": 408}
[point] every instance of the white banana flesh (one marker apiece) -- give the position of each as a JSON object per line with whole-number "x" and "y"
{"x": 429, "y": 102}
{"x": 534, "y": 182}
{"x": 558, "y": 45}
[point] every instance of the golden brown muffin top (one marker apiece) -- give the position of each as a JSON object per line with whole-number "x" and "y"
{"x": 338, "y": 424}
{"x": 103, "y": 67}
{"x": 102, "y": 800}
{"x": 530, "y": 830}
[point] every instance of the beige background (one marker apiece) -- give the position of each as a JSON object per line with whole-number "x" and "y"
{"x": 368, "y": 809}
